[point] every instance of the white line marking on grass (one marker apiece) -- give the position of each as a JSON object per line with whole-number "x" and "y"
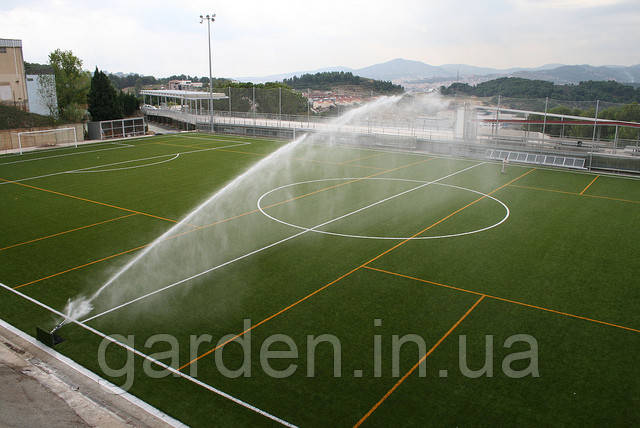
{"x": 231, "y": 139}
{"x": 346, "y": 235}
{"x": 538, "y": 167}
{"x": 68, "y": 147}
{"x": 94, "y": 377}
{"x": 222, "y": 140}
{"x": 93, "y": 169}
{"x": 122, "y": 146}
{"x": 120, "y": 143}
{"x": 148, "y": 358}
{"x": 120, "y": 163}
{"x": 204, "y": 272}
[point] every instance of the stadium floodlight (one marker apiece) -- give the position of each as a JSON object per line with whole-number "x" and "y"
{"x": 209, "y": 18}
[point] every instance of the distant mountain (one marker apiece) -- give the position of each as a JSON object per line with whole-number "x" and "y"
{"x": 582, "y": 73}
{"x": 471, "y": 70}
{"x": 403, "y": 70}
{"x": 280, "y": 77}
{"x": 400, "y": 69}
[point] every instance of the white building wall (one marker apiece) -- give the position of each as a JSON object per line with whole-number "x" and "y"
{"x": 38, "y": 104}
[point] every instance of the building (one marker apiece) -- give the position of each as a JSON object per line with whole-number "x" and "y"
{"x": 41, "y": 91}
{"x": 182, "y": 85}
{"x": 13, "y": 85}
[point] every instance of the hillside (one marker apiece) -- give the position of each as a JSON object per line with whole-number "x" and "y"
{"x": 581, "y": 73}
{"x": 335, "y": 79}
{"x": 11, "y": 118}
{"x": 404, "y": 70}
{"x": 516, "y": 87}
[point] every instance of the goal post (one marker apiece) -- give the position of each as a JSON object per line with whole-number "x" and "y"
{"x": 47, "y": 137}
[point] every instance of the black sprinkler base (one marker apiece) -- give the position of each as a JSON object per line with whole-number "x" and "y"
{"x": 48, "y": 338}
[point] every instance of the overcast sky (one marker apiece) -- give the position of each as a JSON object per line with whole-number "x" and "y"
{"x": 256, "y": 38}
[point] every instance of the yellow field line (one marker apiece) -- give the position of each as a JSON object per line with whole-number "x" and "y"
{"x": 589, "y": 185}
{"x": 416, "y": 365}
{"x": 610, "y": 198}
{"x": 362, "y": 158}
{"x": 575, "y": 194}
{"x": 503, "y": 299}
{"x": 448, "y": 216}
{"x": 81, "y": 266}
{"x": 88, "y": 200}
{"x": 348, "y": 273}
{"x": 212, "y": 224}
{"x": 301, "y": 159}
{"x": 311, "y": 193}
{"x": 66, "y": 231}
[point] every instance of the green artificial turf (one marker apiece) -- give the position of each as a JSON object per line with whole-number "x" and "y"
{"x": 561, "y": 269}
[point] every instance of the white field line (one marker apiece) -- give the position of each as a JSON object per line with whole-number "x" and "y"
{"x": 123, "y": 146}
{"x": 437, "y": 156}
{"x": 182, "y": 281}
{"x": 392, "y": 238}
{"x": 93, "y": 169}
{"x": 229, "y": 139}
{"x": 94, "y": 377}
{"x": 489, "y": 161}
{"x": 170, "y": 369}
{"x": 121, "y": 143}
{"x": 71, "y": 171}
{"x": 68, "y": 147}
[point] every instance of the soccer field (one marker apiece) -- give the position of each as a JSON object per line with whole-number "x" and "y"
{"x": 471, "y": 265}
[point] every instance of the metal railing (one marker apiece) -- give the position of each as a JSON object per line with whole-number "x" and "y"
{"x": 459, "y": 129}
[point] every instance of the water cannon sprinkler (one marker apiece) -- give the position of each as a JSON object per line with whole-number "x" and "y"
{"x": 49, "y": 338}
{"x": 58, "y": 326}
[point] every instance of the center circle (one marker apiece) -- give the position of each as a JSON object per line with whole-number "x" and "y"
{"x": 397, "y": 238}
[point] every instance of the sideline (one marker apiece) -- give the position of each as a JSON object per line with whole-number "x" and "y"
{"x": 148, "y": 358}
{"x": 94, "y": 398}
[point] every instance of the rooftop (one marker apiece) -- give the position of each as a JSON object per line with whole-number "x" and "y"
{"x": 187, "y": 95}
{"x": 10, "y": 43}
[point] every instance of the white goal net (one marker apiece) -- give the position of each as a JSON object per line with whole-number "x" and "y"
{"x": 47, "y": 137}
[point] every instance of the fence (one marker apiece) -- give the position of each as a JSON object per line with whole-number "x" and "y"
{"x": 9, "y": 139}
{"x": 610, "y": 139}
{"x": 118, "y": 128}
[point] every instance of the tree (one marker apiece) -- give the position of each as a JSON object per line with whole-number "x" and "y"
{"x": 129, "y": 103}
{"x": 103, "y": 100}
{"x": 72, "y": 84}
{"x": 47, "y": 93}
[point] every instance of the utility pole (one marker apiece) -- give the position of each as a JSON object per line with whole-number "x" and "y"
{"x": 209, "y": 18}
{"x": 308, "y": 106}
{"x": 280, "y": 106}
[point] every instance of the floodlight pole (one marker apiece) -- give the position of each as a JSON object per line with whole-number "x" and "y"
{"x": 209, "y": 18}
{"x": 595, "y": 122}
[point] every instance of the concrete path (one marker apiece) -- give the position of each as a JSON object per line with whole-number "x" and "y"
{"x": 36, "y": 389}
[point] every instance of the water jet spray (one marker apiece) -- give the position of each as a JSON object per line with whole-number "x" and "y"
{"x": 82, "y": 306}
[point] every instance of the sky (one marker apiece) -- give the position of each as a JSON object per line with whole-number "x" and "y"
{"x": 258, "y": 38}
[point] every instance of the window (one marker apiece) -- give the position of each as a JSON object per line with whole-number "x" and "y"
{"x": 3, "y": 49}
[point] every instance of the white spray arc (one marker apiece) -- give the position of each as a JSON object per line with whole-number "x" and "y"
{"x": 80, "y": 306}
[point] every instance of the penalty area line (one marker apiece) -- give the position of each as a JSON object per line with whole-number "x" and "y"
{"x": 121, "y": 146}
{"x": 150, "y": 359}
{"x": 81, "y": 170}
